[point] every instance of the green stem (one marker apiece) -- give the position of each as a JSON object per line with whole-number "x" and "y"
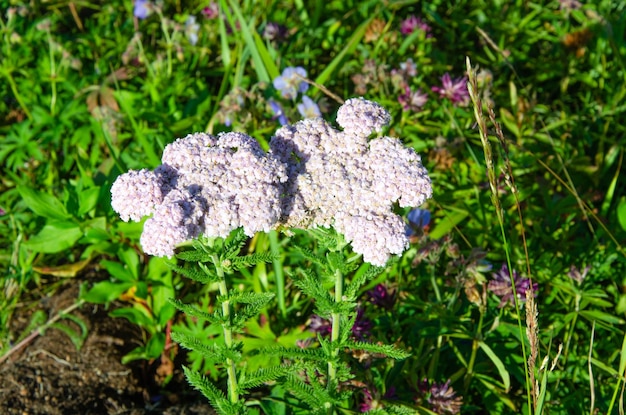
{"x": 475, "y": 344}
{"x": 233, "y": 390}
{"x": 53, "y": 75}
{"x": 334, "y": 336}
{"x": 278, "y": 272}
{"x": 18, "y": 97}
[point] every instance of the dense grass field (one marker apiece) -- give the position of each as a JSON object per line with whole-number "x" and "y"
{"x": 509, "y": 295}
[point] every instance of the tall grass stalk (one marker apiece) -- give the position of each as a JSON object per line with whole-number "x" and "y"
{"x": 472, "y": 86}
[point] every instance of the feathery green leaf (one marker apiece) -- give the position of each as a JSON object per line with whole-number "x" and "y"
{"x": 217, "y": 353}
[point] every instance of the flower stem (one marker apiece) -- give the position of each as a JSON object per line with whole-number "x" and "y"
{"x": 334, "y": 336}
{"x": 233, "y": 390}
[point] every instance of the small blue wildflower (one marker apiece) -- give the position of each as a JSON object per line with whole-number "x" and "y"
{"x": 308, "y": 108}
{"x": 289, "y": 83}
{"x": 142, "y": 9}
{"x": 279, "y": 114}
{"x": 191, "y": 30}
{"x": 419, "y": 217}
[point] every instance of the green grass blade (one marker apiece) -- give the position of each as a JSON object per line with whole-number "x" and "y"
{"x": 351, "y": 45}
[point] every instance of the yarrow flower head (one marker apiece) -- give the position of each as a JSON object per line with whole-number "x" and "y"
{"x": 206, "y": 185}
{"x": 313, "y": 176}
{"x": 290, "y": 84}
{"x": 340, "y": 179}
{"x": 500, "y": 285}
{"x": 453, "y": 89}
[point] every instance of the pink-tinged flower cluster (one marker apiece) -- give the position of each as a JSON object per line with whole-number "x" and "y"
{"x": 313, "y": 176}
{"x": 206, "y": 185}
{"x": 340, "y": 179}
{"x": 453, "y": 89}
{"x": 413, "y": 23}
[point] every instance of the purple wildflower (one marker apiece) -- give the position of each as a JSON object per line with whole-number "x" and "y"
{"x": 442, "y": 398}
{"x": 500, "y": 285}
{"x": 142, "y": 9}
{"x": 308, "y": 108}
{"x": 279, "y": 114}
{"x": 382, "y": 296}
{"x": 453, "y": 89}
{"x": 290, "y": 83}
{"x": 2, "y": 211}
{"x": 578, "y": 276}
{"x": 413, "y": 23}
{"x": 362, "y": 326}
{"x": 412, "y": 101}
{"x": 320, "y": 325}
{"x": 212, "y": 11}
{"x": 274, "y": 32}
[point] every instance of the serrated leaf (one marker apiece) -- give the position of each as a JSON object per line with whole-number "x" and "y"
{"x": 193, "y": 311}
{"x": 215, "y": 396}
{"x": 385, "y": 349}
{"x": 194, "y": 256}
{"x": 214, "y": 352}
{"x": 204, "y": 276}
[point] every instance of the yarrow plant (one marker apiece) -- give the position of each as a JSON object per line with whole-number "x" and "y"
{"x": 217, "y": 190}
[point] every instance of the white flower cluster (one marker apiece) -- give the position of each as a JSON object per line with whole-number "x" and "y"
{"x": 314, "y": 175}
{"x": 206, "y": 184}
{"x": 339, "y": 179}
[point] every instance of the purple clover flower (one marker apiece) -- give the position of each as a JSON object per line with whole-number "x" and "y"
{"x": 289, "y": 83}
{"x": 578, "y": 275}
{"x": 500, "y": 285}
{"x": 308, "y": 108}
{"x": 412, "y": 23}
{"x": 362, "y": 325}
{"x": 383, "y": 297}
{"x": 275, "y": 32}
{"x": 279, "y": 114}
{"x": 360, "y": 329}
{"x": 211, "y": 11}
{"x": 453, "y": 89}
{"x": 442, "y": 397}
{"x": 320, "y": 325}
{"x": 412, "y": 101}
